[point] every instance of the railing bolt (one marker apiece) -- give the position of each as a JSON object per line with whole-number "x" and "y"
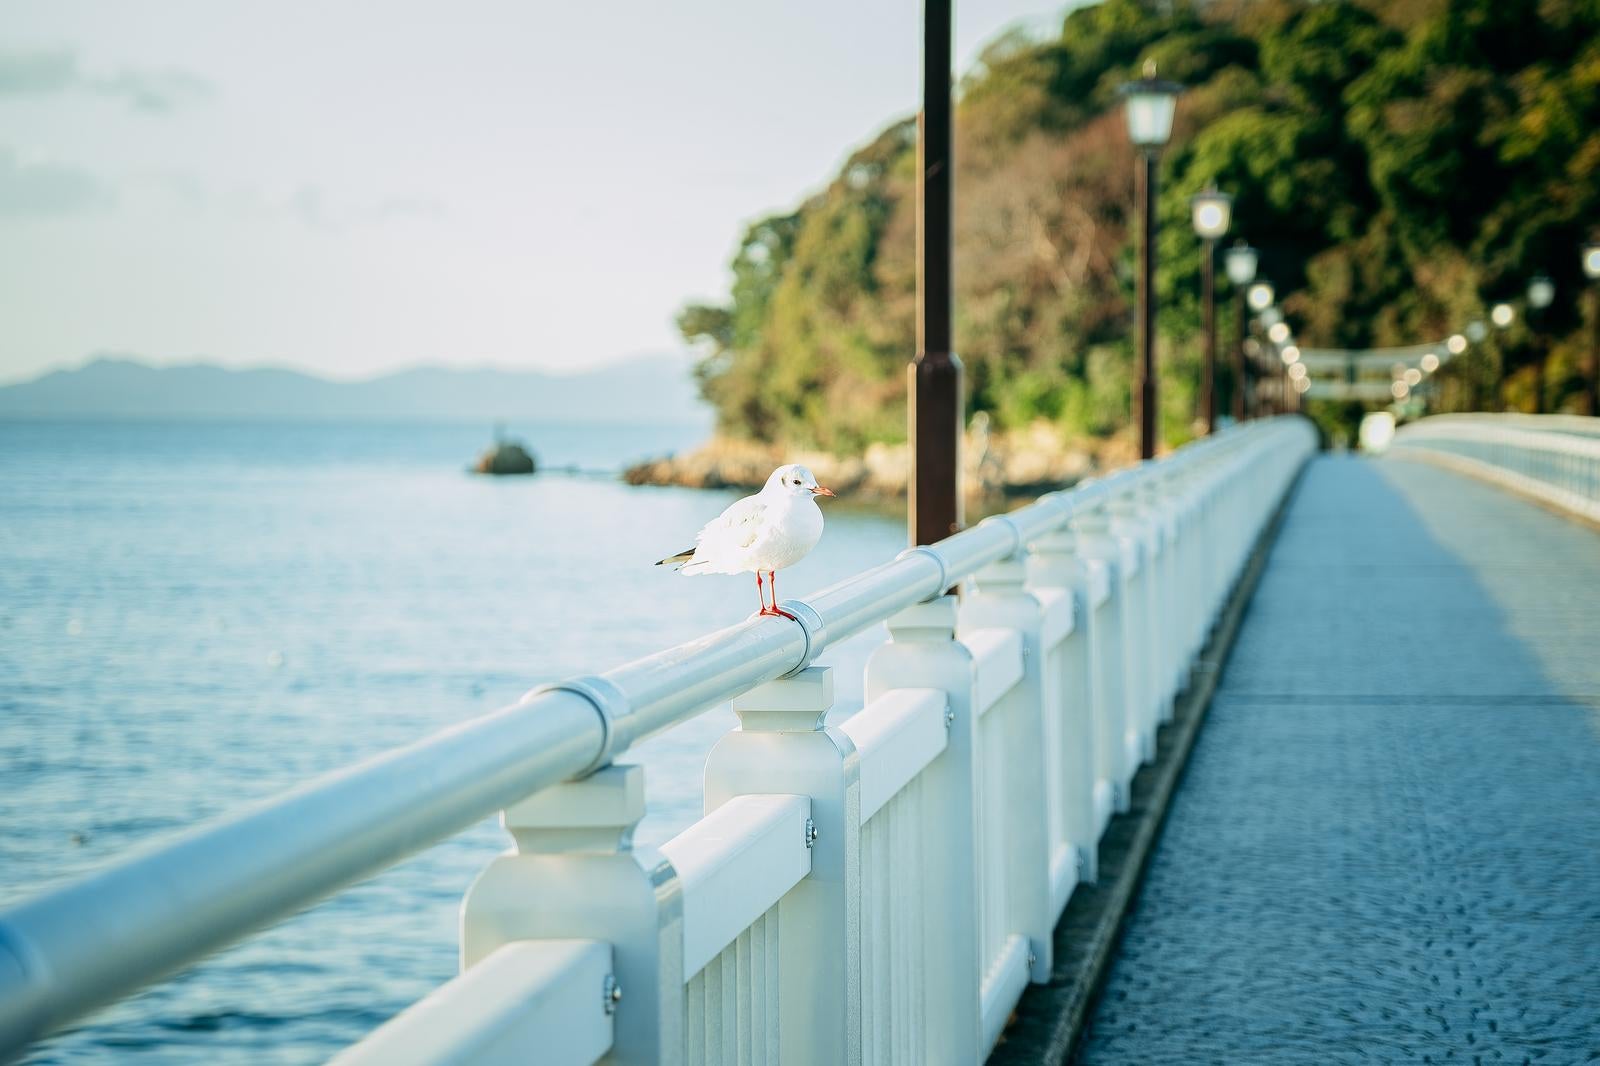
{"x": 1032, "y": 958}
{"x": 613, "y": 994}
{"x": 949, "y": 719}
{"x": 811, "y": 832}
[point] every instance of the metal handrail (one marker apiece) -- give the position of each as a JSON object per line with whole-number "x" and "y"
{"x": 77, "y": 948}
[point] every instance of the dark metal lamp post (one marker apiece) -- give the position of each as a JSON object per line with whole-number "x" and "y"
{"x": 1541, "y": 293}
{"x": 1150, "y": 104}
{"x": 1240, "y": 264}
{"x": 1591, "y": 270}
{"x": 936, "y": 406}
{"x": 1212, "y": 211}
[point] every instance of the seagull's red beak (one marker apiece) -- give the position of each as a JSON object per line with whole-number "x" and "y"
{"x": 818, "y": 490}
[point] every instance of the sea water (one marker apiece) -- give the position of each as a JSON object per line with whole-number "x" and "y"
{"x": 194, "y": 616}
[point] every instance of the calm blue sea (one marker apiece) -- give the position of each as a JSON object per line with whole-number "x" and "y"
{"x": 195, "y": 615}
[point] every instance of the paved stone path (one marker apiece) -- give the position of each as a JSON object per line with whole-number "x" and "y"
{"x": 1387, "y": 844}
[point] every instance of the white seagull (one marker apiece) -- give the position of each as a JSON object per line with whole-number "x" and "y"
{"x": 763, "y": 533}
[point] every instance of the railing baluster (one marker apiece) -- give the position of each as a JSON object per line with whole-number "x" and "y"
{"x": 923, "y": 653}
{"x": 1055, "y": 563}
{"x": 1095, "y": 543}
{"x": 574, "y": 873}
{"x": 999, "y": 600}
{"x": 783, "y": 745}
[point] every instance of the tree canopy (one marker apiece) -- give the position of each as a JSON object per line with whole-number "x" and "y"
{"x": 1397, "y": 164}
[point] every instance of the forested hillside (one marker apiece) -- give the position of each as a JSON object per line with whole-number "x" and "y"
{"x": 1399, "y": 164}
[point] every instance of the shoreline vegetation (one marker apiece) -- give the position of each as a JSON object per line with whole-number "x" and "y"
{"x": 996, "y": 467}
{"x": 1400, "y": 165}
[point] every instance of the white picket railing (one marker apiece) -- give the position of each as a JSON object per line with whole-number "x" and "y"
{"x": 879, "y": 891}
{"x": 1552, "y": 458}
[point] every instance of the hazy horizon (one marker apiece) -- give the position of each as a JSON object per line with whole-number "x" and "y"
{"x": 495, "y": 192}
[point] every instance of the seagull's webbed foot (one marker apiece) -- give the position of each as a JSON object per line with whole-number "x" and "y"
{"x": 783, "y": 614}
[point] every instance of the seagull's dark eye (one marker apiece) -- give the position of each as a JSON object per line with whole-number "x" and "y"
{"x": 797, "y": 481}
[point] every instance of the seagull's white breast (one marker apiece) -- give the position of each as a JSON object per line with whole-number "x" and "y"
{"x": 794, "y": 525}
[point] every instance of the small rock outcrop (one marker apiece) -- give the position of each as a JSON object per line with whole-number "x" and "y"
{"x": 505, "y": 457}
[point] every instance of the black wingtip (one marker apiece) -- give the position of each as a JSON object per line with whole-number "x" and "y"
{"x": 681, "y": 557}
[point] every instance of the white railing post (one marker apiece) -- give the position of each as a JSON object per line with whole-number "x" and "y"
{"x": 783, "y": 746}
{"x": 1161, "y": 506}
{"x": 923, "y": 653}
{"x": 573, "y": 874}
{"x": 999, "y": 600}
{"x": 1143, "y": 664}
{"x": 1054, "y": 564}
{"x": 1113, "y": 773}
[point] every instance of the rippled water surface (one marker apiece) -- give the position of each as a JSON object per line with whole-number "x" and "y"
{"x": 194, "y": 616}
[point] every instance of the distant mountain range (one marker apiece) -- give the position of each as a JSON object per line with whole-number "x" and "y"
{"x": 656, "y": 390}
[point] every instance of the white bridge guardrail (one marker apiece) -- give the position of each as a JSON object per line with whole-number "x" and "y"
{"x": 1552, "y": 458}
{"x": 877, "y": 892}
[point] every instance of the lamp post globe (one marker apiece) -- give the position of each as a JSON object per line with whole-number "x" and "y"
{"x": 1476, "y": 331}
{"x": 1150, "y": 106}
{"x": 1502, "y": 315}
{"x": 1591, "y": 260}
{"x": 1212, "y": 211}
{"x": 1261, "y": 296}
{"x": 1240, "y": 264}
{"x": 1541, "y": 292}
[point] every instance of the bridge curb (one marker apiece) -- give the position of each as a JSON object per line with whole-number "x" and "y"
{"x": 1052, "y": 1017}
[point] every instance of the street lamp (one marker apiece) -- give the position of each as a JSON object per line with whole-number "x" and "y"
{"x": 1502, "y": 315}
{"x": 1457, "y": 344}
{"x": 1591, "y": 270}
{"x": 1477, "y": 331}
{"x": 1278, "y": 332}
{"x": 1240, "y": 263}
{"x": 1541, "y": 293}
{"x": 1261, "y": 296}
{"x": 1212, "y": 212}
{"x": 1150, "y": 104}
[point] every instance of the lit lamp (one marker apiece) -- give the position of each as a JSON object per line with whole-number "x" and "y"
{"x": 1240, "y": 264}
{"x": 1502, "y": 315}
{"x": 1477, "y": 331}
{"x": 1261, "y": 296}
{"x": 1591, "y": 270}
{"x": 1212, "y": 211}
{"x": 1541, "y": 292}
{"x": 1150, "y": 104}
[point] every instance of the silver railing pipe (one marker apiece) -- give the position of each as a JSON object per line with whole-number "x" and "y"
{"x": 74, "y": 949}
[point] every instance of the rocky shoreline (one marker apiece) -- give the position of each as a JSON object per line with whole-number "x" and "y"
{"x": 997, "y": 467}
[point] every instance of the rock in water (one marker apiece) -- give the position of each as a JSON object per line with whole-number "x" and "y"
{"x": 506, "y": 457}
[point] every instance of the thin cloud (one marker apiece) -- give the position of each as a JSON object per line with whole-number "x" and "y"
{"x": 32, "y": 188}
{"x": 59, "y": 71}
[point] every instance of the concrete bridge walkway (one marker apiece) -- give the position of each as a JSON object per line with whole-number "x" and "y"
{"x": 1386, "y": 847}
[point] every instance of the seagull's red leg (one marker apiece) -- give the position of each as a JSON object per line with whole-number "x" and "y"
{"x": 760, "y": 595}
{"x": 772, "y": 577}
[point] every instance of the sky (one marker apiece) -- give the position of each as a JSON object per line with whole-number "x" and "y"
{"x": 357, "y": 187}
